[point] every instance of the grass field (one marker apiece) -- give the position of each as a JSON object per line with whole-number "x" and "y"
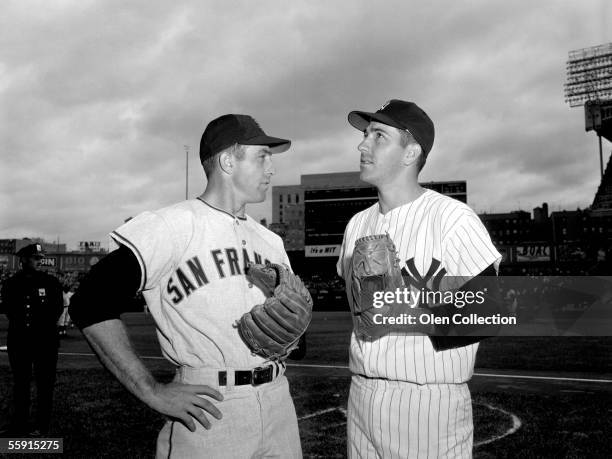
{"x": 540, "y": 396}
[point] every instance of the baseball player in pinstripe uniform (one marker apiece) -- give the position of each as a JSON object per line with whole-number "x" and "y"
{"x": 408, "y": 396}
{"x": 189, "y": 261}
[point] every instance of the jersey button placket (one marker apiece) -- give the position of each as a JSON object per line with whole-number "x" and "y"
{"x": 387, "y": 222}
{"x": 244, "y": 243}
{"x": 240, "y": 240}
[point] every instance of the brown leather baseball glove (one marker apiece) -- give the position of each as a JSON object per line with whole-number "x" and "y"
{"x": 375, "y": 270}
{"x": 273, "y": 329}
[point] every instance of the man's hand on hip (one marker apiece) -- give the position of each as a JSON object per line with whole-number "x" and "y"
{"x": 185, "y": 403}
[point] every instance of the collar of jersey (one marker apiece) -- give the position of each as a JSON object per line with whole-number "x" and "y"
{"x": 221, "y": 210}
{"x": 402, "y": 206}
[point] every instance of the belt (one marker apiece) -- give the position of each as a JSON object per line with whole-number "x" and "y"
{"x": 254, "y": 377}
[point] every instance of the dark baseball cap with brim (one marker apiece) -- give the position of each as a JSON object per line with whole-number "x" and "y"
{"x": 401, "y": 115}
{"x": 227, "y": 130}
{"x": 32, "y": 250}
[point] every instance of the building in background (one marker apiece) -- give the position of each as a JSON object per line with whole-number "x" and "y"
{"x": 582, "y": 238}
{"x": 288, "y": 215}
{"x": 566, "y": 242}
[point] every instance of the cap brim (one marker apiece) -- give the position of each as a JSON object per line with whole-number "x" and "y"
{"x": 276, "y": 145}
{"x": 31, "y": 255}
{"x": 361, "y": 120}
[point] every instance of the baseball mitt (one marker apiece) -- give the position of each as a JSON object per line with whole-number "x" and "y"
{"x": 273, "y": 329}
{"x": 375, "y": 268}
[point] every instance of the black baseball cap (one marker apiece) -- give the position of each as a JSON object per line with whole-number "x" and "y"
{"x": 32, "y": 250}
{"x": 228, "y": 130}
{"x": 401, "y": 115}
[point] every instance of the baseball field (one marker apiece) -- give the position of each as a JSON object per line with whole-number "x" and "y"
{"x": 532, "y": 397}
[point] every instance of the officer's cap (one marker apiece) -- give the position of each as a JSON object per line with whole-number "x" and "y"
{"x": 32, "y": 250}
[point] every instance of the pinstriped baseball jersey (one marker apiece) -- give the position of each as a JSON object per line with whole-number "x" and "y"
{"x": 192, "y": 258}
{"x": 433, "y": 229}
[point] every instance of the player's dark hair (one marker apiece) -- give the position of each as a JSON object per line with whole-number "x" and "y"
{"x": 210, "y": 163}
{"x": 407, "y": 138}
{"x": 239, "y": 151}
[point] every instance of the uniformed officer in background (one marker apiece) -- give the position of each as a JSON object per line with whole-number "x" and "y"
{"x": 32, "y": 301}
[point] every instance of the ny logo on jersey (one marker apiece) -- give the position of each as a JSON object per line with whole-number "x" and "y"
{"x": 412, "y": 276}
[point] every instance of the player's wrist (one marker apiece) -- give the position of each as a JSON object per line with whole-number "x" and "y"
{"x": 148, "y": 390}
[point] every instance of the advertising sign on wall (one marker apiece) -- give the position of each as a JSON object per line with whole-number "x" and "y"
{"x": 322, "y": 250}
{"x": 537, "y": 252}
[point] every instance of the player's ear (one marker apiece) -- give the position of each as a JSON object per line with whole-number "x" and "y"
{"x": 226, "y": 162}
{"x": 412, "y": 151}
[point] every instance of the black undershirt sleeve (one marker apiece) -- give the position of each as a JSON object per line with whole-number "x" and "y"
{"x": 443, "y": 343}
{"x": 108, "y": 290}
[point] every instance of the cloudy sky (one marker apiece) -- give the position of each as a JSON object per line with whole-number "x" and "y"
{"x": 99, "y": 98}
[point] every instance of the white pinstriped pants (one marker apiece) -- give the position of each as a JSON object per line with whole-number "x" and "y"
{"x": 396, "y": 419}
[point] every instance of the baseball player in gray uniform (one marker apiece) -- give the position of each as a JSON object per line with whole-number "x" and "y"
{"x": 189, "y": 261}
{"x": 408, "y": 395}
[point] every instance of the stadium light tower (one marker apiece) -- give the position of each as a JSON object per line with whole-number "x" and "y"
{"x": 589, "y": 83}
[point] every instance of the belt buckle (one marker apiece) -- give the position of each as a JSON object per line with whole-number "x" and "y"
{"x": 262, "y": 375}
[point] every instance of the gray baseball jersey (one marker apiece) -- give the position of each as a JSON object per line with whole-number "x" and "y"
{"x": 192, "y": 258}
